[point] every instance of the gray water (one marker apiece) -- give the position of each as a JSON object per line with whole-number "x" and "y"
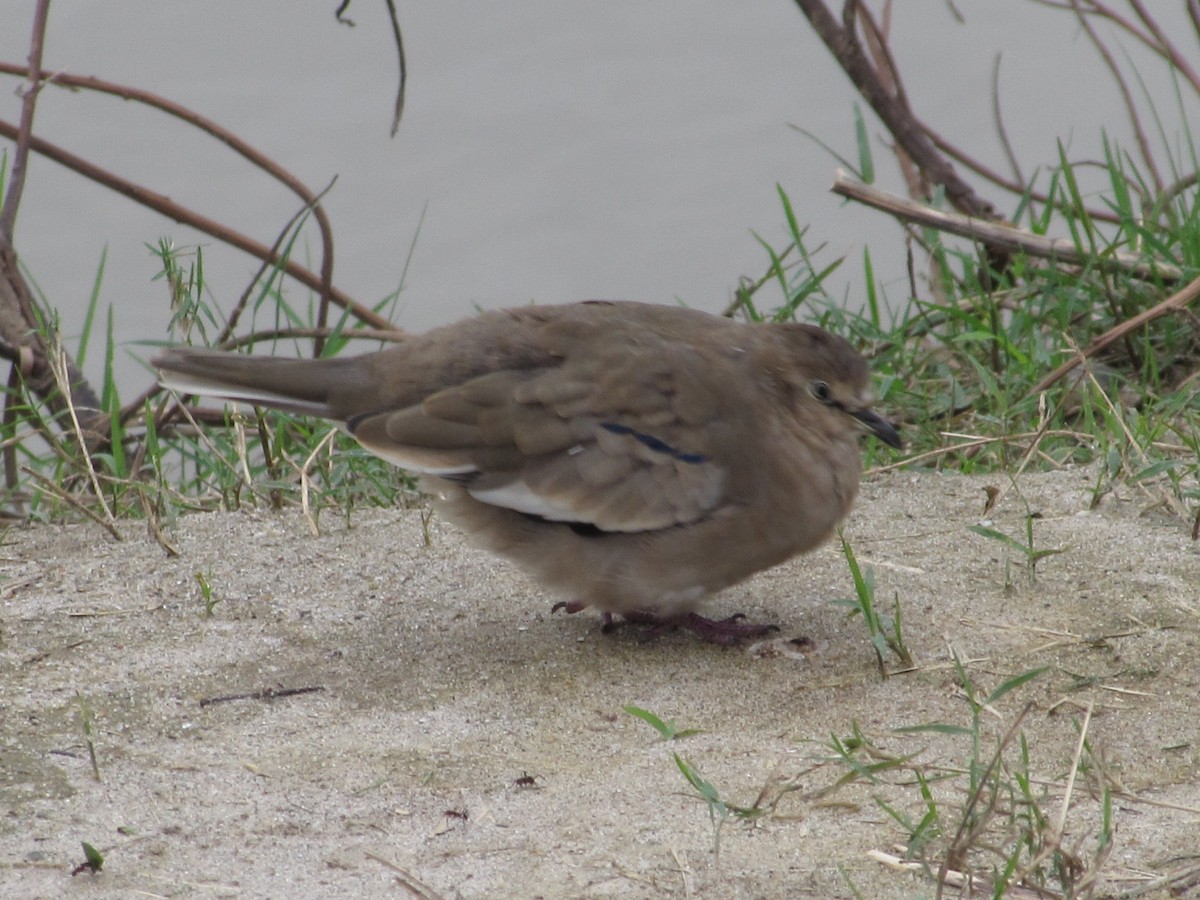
{"x": 550, "y": 151}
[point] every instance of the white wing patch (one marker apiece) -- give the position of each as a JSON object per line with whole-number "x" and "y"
{"x": 517, "y": 496}
{"x": 412, "y": 459}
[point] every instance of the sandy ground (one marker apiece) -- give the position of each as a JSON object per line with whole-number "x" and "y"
{"x": 468, "y": 738}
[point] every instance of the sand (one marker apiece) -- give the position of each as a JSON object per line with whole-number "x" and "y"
{"x": 465, "y": 742}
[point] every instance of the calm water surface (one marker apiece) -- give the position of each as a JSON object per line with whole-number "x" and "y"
{"x": 550, "y": 151}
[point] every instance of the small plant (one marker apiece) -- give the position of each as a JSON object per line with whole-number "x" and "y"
{"x": 1032, "y": 554}
{"x": 427, "y": 535}
{"x": 666, "y": 730}
{"x": 886, "y": 631}
{"x": 206, "y": 594}
{"x": 93, "y": 860}
{"x": 997, "y": 831}
{"x": 86, "y": 721}
{"x": 718, "y": 809}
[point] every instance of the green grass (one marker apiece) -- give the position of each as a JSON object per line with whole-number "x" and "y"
{"x": 958, "y": 354}
{"x": 886, "y": 631}
{"x": 667, "y": 731}
{"x": 719, "y": 810}
{"x": 93, "y": 860}
{"x": 1000, "y": 822}
{"x": 207, "y": 596}
{"x": 985, "y": 814}
{"x": 87, "y": 721}
{"x": 958, "y": 362}
{"x": 1025, "y": 548}
{"x": 956, "y": 365}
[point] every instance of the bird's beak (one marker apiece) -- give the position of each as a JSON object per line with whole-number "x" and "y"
{"x": 879, "y": 426}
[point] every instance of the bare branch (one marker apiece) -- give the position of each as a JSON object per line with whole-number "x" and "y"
{"x": 1001, "y": 131}
{"x": 236, "y": 313}
{"x": 172, "y": 210}
{"x": 390, "y": 335}
{"x": 1155, "y": 42}
{"x": 16, "y": 184}
{"x": 231, "y": 140}
{"x": 996, "y": 234}
{"x": 398, "y": 36}
{"x": 848, "y": 52}
{"x": 1126, "y": 97}
{"x": 1169, "y": 50}
{"x": 1177, "y": 301}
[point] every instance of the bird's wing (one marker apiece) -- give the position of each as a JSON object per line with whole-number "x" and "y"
{"x": 627, "y": 436}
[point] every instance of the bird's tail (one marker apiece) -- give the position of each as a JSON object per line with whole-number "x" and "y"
{"x": 302, "y": 386}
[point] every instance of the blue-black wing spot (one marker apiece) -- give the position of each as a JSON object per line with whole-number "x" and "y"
{"x": 655, "y": 444}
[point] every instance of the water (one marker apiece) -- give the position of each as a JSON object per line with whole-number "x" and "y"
{"x": 549, "y": 151}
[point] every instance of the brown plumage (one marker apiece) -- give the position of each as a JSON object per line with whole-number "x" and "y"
{"x": 635, "y": 458}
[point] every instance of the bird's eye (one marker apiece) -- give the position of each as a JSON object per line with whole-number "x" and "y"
{"x": 820, "y": 391}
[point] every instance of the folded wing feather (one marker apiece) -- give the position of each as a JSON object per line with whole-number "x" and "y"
{"x": 543, "y": 443}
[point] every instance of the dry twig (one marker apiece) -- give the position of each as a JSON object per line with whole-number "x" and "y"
{"x": 998, "y": 234}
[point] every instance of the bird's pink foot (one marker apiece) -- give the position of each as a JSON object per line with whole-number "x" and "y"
{"x": 726, "y": 632}
{"x": 570, "y": 608}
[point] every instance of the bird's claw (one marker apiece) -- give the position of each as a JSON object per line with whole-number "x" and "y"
{"x": 727, "y": 632}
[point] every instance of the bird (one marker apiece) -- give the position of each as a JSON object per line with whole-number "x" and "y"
{"x": 635, "y": 458}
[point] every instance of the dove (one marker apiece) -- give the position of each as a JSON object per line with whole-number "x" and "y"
{"x": 634, "y": 458}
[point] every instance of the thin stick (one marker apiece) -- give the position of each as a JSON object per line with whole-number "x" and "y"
{"x": 973, "y": 442}
{"x": 223, "y": 135}
{"x": 239, "y": 307}
{"x": 407, "y": 879}
{"x": 998, "y": 121}
{"x": 62, "y": 495}
{"x": 16, "y": 183}
{"x": 398, "y": 37}
{"x": 1061, "y": 823}
{"x": 58, "y": 363}
{"x": 1135, "y": 121}
{"x": 304, "y": 481}
{"x": 996, "y": 234}
{"x": 1177, "y": 301}
{"x": 179, "y": 213}
{"x": 267, "y": 694}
